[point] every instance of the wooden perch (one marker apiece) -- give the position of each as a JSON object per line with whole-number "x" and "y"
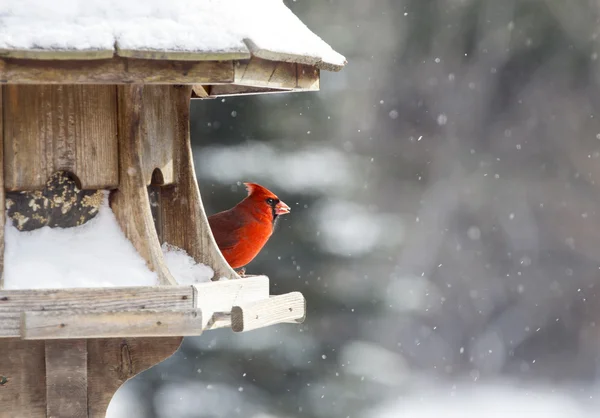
{"x": 216, "y": 299}
{"x": 290, "y": 307}
{"x": 102, "y": 324}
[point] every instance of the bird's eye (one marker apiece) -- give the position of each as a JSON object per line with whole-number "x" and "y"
{"x": 271, "y": 201}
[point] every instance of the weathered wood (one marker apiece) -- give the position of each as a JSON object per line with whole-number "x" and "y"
{"x": 22, "y": 379}
{"x": 53, "y": 54}
{"x": 109, "y": 324}
{"x": 230, "y": 90}
{"x": 159, "y": 120}
{"x": 217, "y": 298}
{"x": 13, "y": 302}
{"x": 192, "y": 231}
{"x": 290, "y": 307}
{"x": 182, "y": 55}
{"x": 131, "y": 203}
{"x": 114, "y": 71}
{"x": 66, "y": 379}
{"x": 258, "y": 72}
{"x": 51, "y": 128}
{"x": 2, "y": 190}
{"x": 60, "y": 204}
{"x": 111, "y": 362}
{"x": 199, "y": 91}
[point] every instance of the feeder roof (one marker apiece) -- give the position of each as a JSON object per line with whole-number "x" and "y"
{"x": 183, "y": 30}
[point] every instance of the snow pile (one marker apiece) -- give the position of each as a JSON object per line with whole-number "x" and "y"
{"x": 95, "y": 254}
{"x": 184, "y": 268}
{"x": 201, "y": 26}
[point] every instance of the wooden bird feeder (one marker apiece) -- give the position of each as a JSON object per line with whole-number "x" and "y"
{"x": 94, "y": 98}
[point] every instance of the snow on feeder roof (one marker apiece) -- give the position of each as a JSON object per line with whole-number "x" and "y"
{"x": 190, "y": 30}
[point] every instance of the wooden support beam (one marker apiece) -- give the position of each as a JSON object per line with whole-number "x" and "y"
{"x": 113, "y": 361}
{"x": 290, "y": 307}
{"x": 109, "y": 324}
{"x": 51, "y": 128}
{"x": 22, "y": 379}
{"x": 217, "y": 298}
{"x": 190, "y": 232}
{"x": 66, "y": 379}
{"x": 116, "y": 70}
{"x": 131, "y": 203}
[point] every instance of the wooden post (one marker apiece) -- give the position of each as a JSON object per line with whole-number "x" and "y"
{"x": 2, "y": 189}
{"x": 131, "y": 203}
{"x": 66, "y": 379}
{"x": 191, "y": 231}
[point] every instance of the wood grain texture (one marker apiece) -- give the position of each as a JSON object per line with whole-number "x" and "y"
{"x": 257, "y": 72}
{"x": 192, "y": 231}
{"x": 181, "y": 55}
{"x": 66, "y": 379}
{"x": 2, "y": 189}
{"x": 46, "y": 54}
{"x": 23, "y": 371}
{"x": 217, "y": 298}
{"x": 290, "y": 307}
{"x": 13, "y": 302}
{"x": 51, "y": 128}
{"x": 131, "y": 203}
{"x": 259, "y": 76}
{"x": 116, "y": 70}
{"x": 110, "y": 324}
{"x": 159, "y": 120}
{"x": 114, "y": 361}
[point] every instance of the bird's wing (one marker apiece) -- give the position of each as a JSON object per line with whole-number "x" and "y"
{"x": 226, "y": 227}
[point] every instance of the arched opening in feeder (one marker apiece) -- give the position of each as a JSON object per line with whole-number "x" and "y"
{"x": 157, "y": 179}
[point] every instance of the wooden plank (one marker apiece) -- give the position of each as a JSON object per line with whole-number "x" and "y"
{"x": 131, "y": 203}
{"x": 108, "y": 298}
{"x": 2, "y": 189}
{"x": 13, "y": 302}
{"x": 114, "y": 71}
{"x": 127, "y": 358}
{"x": 51, "y": 128}
{"x": 52, "y": 54}
{"x": 217, "y": 298}
{"x": 307, "y": 78}
{"x": 229, "y": 90}
{"x": 182, "y": 55}
{"x": 66, "y": 379}
{"x": 110, "y": 324}
{"x": 192, "y": 231}
{"x": 257, "y": 72}
{"x": 22, "y": 379}
{"x": 201, "y": 92}
{"x": 159, "y": 127}
{"x": 290, "y": 307}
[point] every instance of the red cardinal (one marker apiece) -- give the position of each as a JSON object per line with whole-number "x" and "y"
{"x": 242, "y": 231}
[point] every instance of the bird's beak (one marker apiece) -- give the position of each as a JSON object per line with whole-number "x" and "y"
{"x": 281, "y": 208}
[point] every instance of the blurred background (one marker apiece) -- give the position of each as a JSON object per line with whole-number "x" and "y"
{"x": 445, "y": 225}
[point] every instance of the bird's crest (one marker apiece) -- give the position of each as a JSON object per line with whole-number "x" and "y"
{"x": 254, "y": 188}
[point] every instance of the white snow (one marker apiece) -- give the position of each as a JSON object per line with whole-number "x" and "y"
{"x": 199, "y": 26}
{"x": 184, "y": 268}
{"x": 95, "y": 254}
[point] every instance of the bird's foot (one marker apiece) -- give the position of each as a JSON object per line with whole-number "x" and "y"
{"x": 241, "y": 272}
